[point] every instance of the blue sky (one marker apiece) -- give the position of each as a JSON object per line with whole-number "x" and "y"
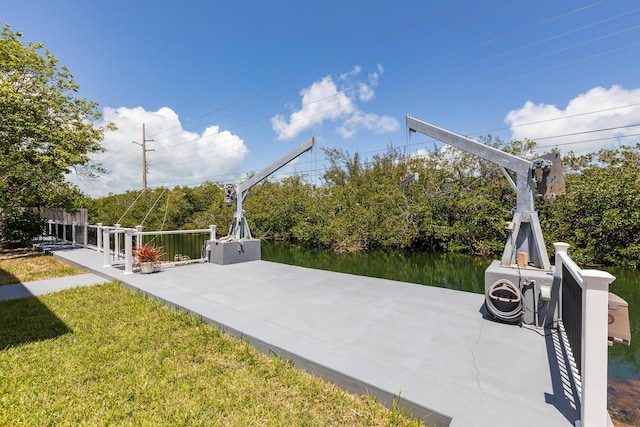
{"x": 225, "y": 88}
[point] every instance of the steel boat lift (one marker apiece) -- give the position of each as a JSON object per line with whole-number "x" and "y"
{"x": 519, "y": 287}
{"x": 239, "y": 245}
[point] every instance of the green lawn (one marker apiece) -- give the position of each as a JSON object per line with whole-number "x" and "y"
{"x": 26, "y": 265}
{"x": 104, "y": 355}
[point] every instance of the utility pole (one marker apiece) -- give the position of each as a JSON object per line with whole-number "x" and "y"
{"x": 144, "y": 157}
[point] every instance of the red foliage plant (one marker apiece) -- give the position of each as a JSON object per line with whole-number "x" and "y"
{"x": 148, "y": 253}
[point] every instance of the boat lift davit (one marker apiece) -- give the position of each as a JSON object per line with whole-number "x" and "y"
{"x": 239, "y": 245}
{"x": 519, "y": 287}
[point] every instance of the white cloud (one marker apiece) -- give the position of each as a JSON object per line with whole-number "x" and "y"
{"x": 321, "y": 101}
{"x": 368, "y": 121}
{"x": 590, "y": 121}
{"x": 365, "y": 92}
{"x": 179, "y": 156}
{"x": 354, "y": 72}
{"x": 375, "y": 76}
{"x": 325, "y": 100}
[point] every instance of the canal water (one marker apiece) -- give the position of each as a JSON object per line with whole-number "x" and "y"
{"x": 459, "y": 272}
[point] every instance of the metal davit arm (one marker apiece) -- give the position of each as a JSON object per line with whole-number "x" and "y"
{"x": 525, "y": 186}
{"x": 525, "y": 234}
{"x": 239, "y": 227}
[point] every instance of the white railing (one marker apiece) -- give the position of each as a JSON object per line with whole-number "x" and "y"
{"x": 101, "y": 237}
{"x": 74, "y": 233}
{"x": 588, "y": 333}
{"x": 126, "y": 235}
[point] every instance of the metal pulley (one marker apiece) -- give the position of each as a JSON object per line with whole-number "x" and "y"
{"x": 229, "y": 194}
{"x": 547, "y": 173}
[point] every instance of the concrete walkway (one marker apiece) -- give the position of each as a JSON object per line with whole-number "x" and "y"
{"x": 432, "y": 347}
{"x": 41, "y": 287}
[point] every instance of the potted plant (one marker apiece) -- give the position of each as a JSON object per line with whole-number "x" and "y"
{"x": 148, "y": 256}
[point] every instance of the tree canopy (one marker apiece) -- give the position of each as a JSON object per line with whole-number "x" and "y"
{"x": 46, "y": 130}
{"x": 459, "y": 204}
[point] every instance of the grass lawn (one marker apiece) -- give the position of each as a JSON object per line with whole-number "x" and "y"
{"x": 104, "y": 355}
{"x": 26, "y": 265}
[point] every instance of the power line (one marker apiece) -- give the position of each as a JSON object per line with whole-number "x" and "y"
{"x": 586, "y": 132}
{"x": 450, "y": 29}
{"x": 337, "y": 58}
{"x": 468, "y": 65}
{"x": 243, "y": 125}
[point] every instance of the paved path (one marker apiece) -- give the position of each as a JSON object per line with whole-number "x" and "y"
{"x": 41, "y": 287}
{"x": 433, "y": 347}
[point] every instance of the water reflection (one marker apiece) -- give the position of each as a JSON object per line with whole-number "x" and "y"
{"x": 624, "y": 361}
{"x": 452, "y": 271}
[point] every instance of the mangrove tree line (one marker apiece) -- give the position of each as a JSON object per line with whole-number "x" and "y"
{"x": 460, "y": 203}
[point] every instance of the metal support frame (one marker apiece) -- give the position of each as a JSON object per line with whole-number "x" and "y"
{"x": 525, "y": 234}
{"x": 239, "y": 229}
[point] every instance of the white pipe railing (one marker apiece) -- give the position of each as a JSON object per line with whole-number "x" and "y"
{"x": 594, "y": 347}
{"x": 128, "y": 255}
{"x": 106, "y": 231}
{"x": 138, "y": 233}
{"x": 103, "y": 235}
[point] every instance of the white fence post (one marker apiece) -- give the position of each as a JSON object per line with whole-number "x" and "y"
{"x": 64, "y": 231}
{"x": 105, "y": 247}
{"x": 116, "y": 242}
{"x": 128, "y": 251}
{"x": 595, "y": 303}
{"x": 85, "y": 235}
{"x": 212, "y": 234}
{"x": 99, "y": 237}
{"x": 138, "y": 236}
{"x": 559, "y": 247}
{"x": 73, "y": 232}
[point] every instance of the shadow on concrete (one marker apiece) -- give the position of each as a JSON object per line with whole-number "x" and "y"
{"x": 50, "y": 247}
{"x": 24, "y": 320}
{"x": 565, "y": 397}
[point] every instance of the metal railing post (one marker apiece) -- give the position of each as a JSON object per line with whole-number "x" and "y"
{"x": 64, "y": 231}
{"x": 85, "y": 235}
{"x": 595, "y": 300}
{"x": 99, "y": 237}
{"x": 212, "y": 234}
{"x": 128, "y": 251}
{"x": 105, "y": 247}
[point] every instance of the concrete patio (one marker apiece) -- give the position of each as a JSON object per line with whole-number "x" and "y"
{"x": 432, "y": 348}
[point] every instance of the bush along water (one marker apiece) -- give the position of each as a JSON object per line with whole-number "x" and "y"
{"x": 459, "y": 204}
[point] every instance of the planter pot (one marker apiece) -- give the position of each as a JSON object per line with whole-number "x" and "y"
{"x": 147, "y": 267}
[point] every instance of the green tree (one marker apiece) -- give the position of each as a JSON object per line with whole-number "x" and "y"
{"x": 600, "y": 214}
{"x": 46, "y": 131}
{"x": 274, "y": 209}
{"x": 459, "y": 204}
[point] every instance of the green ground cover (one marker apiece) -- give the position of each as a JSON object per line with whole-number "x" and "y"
{"x": 26, "y": 265}
{"x": 104, "y": 355}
